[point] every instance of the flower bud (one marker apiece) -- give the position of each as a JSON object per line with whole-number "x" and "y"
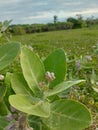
{"x": 88, "y": 58}
{"x": 42, "y": 84}
{"x": 9, "y": 117}
{"x": 1, "y": 77}
{"x": 50, "y": 76}
{"x": 78, "y": 64}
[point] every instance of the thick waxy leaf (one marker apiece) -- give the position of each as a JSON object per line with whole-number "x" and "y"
{"x": 33, "y": 69}
{"x": 19, "y": 84}
{"x": 36, "y": 123}
{"x": 2, "y": 92}
{"x": 3, "y": 109}
{"x": 68, "y": 115}
{"x": 56, "y": 62}
{"x": 61, "y": 87}
{"x": 24, "y": 104}
{"x": 7, "y": 53}
{"x": 5, "y": 25}
{"x": 9, "y": 91}
{"x": 3, "y": 122}
{"x": 7, "y": 79}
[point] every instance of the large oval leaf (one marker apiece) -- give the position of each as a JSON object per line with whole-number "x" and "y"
{"x": 61, "y": 87}
{"x": 3, "y": 109}
{"x": 2, "y": 92}
{"x": 24, "y": 104}
{"x": 56, "y": 62}
{"x": 33, "y": 69}
{"x": 68, "y": 115}
{"x": 19, "y": 85}
{"x": 7, "y": 53}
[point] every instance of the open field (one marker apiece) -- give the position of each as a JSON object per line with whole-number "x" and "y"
{"x": 75, "y": 42}
{"x": 78, "y": 41}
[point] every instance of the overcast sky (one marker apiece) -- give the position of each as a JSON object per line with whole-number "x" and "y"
{"x": 42, "y": 11}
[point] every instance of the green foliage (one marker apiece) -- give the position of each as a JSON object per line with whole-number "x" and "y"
{"x": 61, "y": 87}
{"x": 67, "y": 115}
{"x": 7, "y": 53}
{"x": 5, "y": 25}
{"x": 27, "y": 105}
{"x": 36, "y": 87}
{"x": 43, "y": 102}
{"x": 18, "y": 80}
{"x": 35, "y": 74}
{"x": 2, "y": 92}
{"x": 3, "y": 122}
{"x": 53, "y": 63}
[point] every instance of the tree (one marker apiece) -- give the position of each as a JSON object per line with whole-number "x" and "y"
{"x": 76, "y": 22}
{"x": 55, "y": 19}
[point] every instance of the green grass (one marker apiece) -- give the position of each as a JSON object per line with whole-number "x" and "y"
{"x": 77, "y": 41}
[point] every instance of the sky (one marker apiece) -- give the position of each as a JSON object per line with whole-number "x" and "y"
{"x": 42, "y": 11}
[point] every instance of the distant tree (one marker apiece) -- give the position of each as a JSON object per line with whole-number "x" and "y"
{"x": 81, "y": 21}
{"x": 68, "y": 25}
{"x": 79, "y": 17}
{"x": 45, "y": 28}
{"x": 51, "y": 26}
{"x": 55, "y": 19}
{"x": 76, "y": 22}
{"x": 17, "y": 30}
{"x": 90, "y": 21}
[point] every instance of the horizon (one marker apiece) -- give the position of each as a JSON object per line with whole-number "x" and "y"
{"x": 41, "y": 12}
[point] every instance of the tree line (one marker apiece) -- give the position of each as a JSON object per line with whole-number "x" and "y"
{"x": 70, "y": 23}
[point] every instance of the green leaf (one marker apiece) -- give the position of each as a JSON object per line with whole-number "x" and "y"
{"x": 7, "y": 53}
{"x": 3, "y": 109}
{"x": 7, "y": 79}
{"x": 61, "y": 87}
{"x": 9, "y": 91}
{"x": 3, "y": 122}
{"x": 5, "y": 25}
{"x": 33, "y": 69}
{"x": 56, "y": 62}
{"x": 68, "y": 115}
{"x": 19, "y": 85}
{"x": 24, "y": 104}
{"x": 2, "y": 92}
{"x": 36, "y": 123}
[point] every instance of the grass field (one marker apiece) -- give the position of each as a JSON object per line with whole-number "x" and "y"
{"x": 75, "y": 42}
{"x": 78, "y": 41}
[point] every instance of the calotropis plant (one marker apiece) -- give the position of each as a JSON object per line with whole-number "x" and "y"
{"x": 38, "y": 85}
{"x": 8, "y": 53}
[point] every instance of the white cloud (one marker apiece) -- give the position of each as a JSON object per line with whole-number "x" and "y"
{"x": 31, "y": 11}
{"x": 89, "y": 11}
